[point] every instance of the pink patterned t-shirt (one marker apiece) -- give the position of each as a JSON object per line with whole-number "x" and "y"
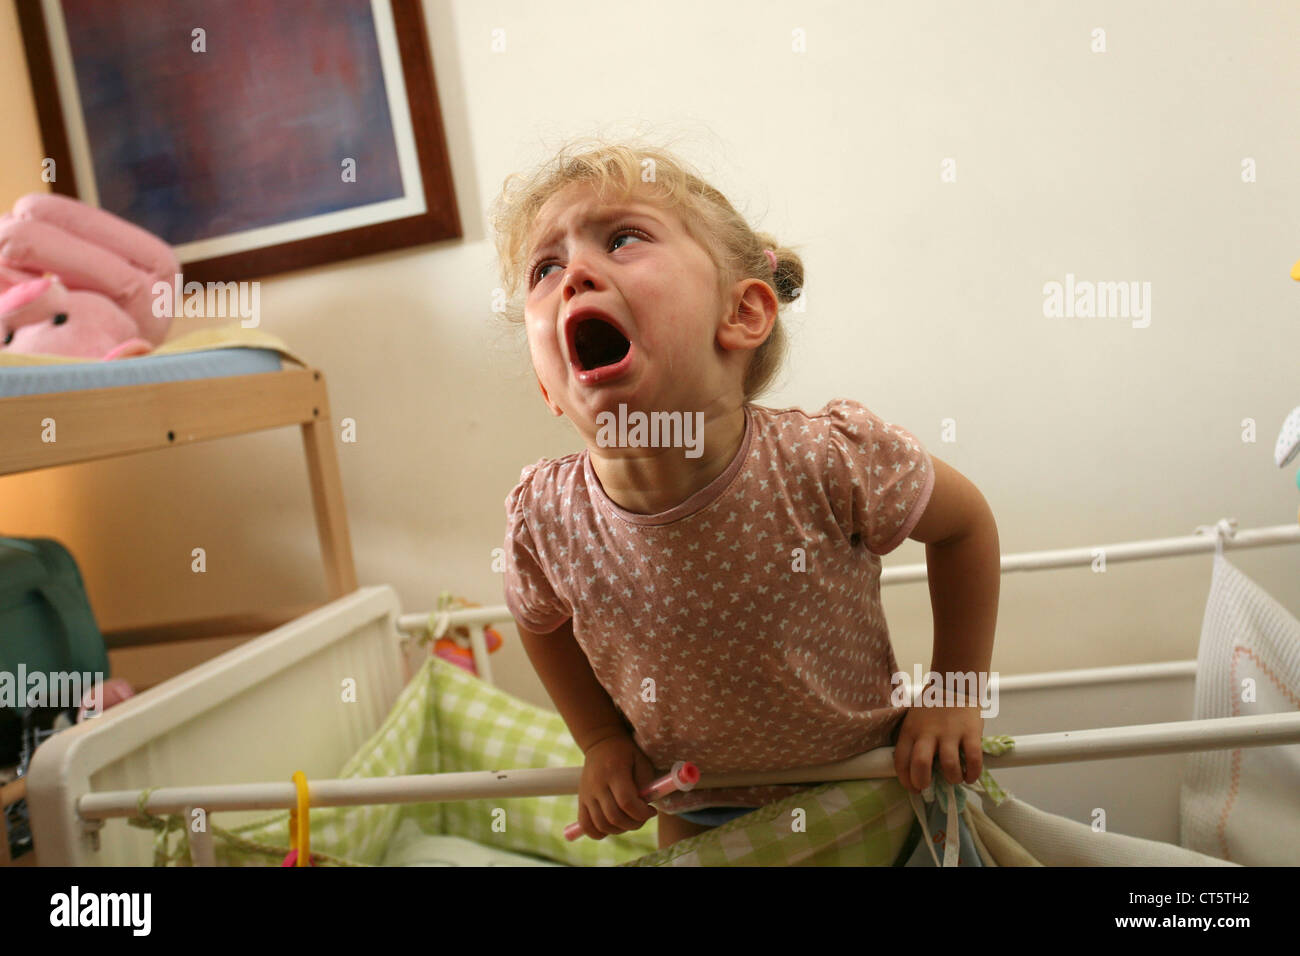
{"x": 742, "y": 629}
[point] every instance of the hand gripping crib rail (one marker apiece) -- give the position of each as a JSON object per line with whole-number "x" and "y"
{"x": 210, "y": 724}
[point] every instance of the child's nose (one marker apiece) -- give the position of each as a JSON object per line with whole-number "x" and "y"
{"x": 583, "y": 271}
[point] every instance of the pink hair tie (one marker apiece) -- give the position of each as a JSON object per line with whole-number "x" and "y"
{"x": 771, "y": 258}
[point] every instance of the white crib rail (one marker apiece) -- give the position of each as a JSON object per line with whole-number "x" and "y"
{"x": 1125, "y": 551}
{"x": 1186, "y": 736}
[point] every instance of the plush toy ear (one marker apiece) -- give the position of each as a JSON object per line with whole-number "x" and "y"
{"x": 17, "y": 296}
{"x": 131, "y": 348}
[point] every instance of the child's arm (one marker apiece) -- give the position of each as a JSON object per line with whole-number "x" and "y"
{"x": 581, "y": 700}
{"x": 964, "y": 565}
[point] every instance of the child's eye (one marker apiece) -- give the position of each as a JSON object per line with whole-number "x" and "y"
{"x": 539, "y": 271}
{"x": 629, "y": 232}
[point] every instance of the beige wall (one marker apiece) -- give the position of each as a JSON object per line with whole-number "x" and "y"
{"x": 925, "y": 302}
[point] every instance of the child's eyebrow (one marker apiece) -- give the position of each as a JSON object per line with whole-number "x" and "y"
{"x": 614, "y": 212}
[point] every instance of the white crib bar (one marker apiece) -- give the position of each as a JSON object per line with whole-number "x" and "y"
{"x": 1031, "y": 749}
{"x": 1125, "y": 551}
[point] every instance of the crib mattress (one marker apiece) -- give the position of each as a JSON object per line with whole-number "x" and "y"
{"x": 144, "y": 370}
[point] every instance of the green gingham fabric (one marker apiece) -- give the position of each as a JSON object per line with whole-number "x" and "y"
{"x": 843, "y": 823}
{"x": 446, "y": 721}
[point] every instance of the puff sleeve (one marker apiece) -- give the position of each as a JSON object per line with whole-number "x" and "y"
{"x": 879, "y": 476}
{"x": 529, "y": 596}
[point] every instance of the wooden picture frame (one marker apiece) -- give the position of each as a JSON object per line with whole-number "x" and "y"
{"x": 423, "y": 209}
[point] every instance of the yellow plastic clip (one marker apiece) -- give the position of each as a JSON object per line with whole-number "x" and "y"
{"x": 300, "y": 836}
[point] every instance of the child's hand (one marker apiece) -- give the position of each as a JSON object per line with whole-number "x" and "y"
{"x": 613, "y": 774}
{"x": 952, "y": 732}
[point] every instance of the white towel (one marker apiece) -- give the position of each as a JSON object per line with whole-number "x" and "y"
{"x": 1244, "y": 805}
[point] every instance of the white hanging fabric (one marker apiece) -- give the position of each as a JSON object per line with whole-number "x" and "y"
{"x": 1243, "y": 805}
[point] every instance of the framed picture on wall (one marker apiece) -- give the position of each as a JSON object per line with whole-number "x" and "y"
{"x": 253, "y": 137}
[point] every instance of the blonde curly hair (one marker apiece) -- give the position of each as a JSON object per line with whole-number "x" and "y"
{"x": 622, "y": 170}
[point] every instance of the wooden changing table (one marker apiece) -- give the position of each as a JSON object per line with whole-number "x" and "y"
{"x": 122, "y": 420}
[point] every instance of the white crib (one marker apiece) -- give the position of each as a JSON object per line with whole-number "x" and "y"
{"x": 271, "y": 705}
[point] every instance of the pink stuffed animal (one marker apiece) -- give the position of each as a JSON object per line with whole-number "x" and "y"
{"x": 78, "y": 281}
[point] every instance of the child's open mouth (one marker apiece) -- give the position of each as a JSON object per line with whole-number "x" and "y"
{"x": 600, "y": 351}
{"x": 597, "y": 344}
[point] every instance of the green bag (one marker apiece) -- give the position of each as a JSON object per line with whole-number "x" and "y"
{"x": 47, "y": 627}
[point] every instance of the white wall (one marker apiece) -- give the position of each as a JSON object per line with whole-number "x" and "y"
{"x": 925, "y": 298}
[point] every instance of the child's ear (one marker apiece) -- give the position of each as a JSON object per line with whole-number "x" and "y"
{"x": 547, "y": 398}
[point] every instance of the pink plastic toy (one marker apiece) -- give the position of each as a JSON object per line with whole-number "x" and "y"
{"x": 455, "y": 647}
{"x": 78, "y": 281}
{"x": 684, "y": 776}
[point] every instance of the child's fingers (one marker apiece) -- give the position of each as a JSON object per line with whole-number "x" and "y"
{"x": 974, "y": 758}
{"x": 645, "y": 775}
{"x": 919, "y": 764}
{"x": 593, "y": 824}
{"x": 617, "y": 820}
{"x": 624, "y": 805}
{"x": 902, "y": 751}
{"x": 950, "y": 759}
